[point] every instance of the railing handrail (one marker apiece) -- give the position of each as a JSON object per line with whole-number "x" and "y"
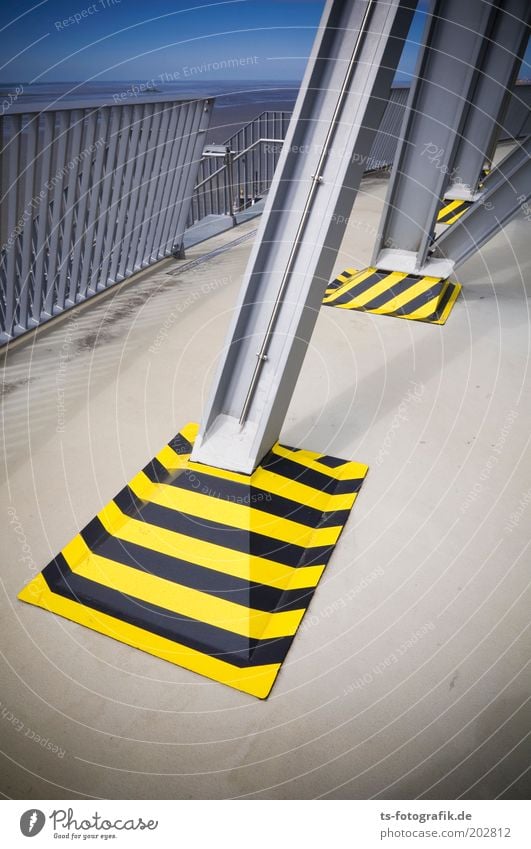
{"x": 21, "y": 107}
{"x": 238, "y": 156}
{"x": 255, "y": 120}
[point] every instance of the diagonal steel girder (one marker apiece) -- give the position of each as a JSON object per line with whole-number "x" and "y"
{"x": 507, "y": 190}
{"x": 433, "y": 120}
{"x": 340, "y": 104}
{"x": 494, "y": 85}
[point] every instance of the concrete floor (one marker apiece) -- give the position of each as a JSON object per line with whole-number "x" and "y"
{"x": 408, "y": 677}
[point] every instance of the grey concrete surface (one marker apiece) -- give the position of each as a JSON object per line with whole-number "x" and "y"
{"x": 408, "y": 677}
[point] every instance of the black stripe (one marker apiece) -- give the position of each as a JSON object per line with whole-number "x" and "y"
{"x": 331, "y": 462}
{"x": 334, "y": 518}
{"x": 241, "y": 493}
{"x": 336, "y": 282}
{"x": 156, "y": 472}
{"x": 447, "y": 294}
{"x": 208, "y": 639}
{"x": 237, "y": 590}
{"x": 398, "y": 289}
{"x": 309, "y": 477}
{"x": 236, "y": 539}
{"x": 421, "y": 300}
{"x": 450, "y": 213}
{"x": 180, "y": 445}
{"x": 360, "y": 288}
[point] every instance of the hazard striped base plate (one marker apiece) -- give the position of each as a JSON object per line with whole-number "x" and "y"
{"x": 393, "y": 293}
{"x": 208, "y": 569}
{"x": 452, "y": 210}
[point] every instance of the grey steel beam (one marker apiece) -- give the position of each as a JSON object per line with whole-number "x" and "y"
{"x": 496, "y": 75}
{"x": 507, "y": 189}
{"x": 433, "y": 119}
{"x": 340, "y": 104}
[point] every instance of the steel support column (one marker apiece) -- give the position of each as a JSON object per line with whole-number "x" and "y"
{"x": 340, "y": 104}
{"x": 507, "y": 189}
{"x": 496, "y": 74}
{"x": 434, "y": 116}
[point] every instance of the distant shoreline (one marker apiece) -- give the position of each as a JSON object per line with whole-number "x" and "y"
{"x": 236, "y": 102}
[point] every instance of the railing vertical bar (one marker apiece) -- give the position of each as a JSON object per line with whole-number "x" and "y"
{"x": 174, "y": 144}
{"x": 74, "y": 136}
{"x": 187, "y": 177}
{"x": 132, "y": 260}
{"x": 96, "y": 189}
{"x": 60, "y": 148}
{"x": 126, "y": 193}
{"x": 90, "y": 121}
{"x": 124, "y": 134}
{"x": 48, "y": 121}
{"x": 165, "y": 113}
{"x": 254, "y": 158}
{"x": 168, "y": 147}
{"x": 165, "y": 245}
{"x": 12, "y": 240}
{"x": 102, "y": 213}
{"x": 170, "y": 231}
{"x": 146, "y": 112}
{"x": 29, "y": 137}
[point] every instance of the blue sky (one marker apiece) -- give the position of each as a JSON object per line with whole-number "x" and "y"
{"x": 123, "y": 40}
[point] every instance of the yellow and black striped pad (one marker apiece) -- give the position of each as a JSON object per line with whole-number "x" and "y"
{"x": 208, "y": 569}
{"x": 452, "y": 210}
{"x": 393, "y": 293}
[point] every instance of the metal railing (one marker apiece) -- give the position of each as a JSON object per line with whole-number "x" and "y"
{"x": 90, "y": 194}
{"x": 247, "y": 175}
{"x": 257, "y": 147}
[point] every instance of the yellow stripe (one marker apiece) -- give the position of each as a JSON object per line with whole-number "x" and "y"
{"x": 205, "y": 506}
{"x": 376, "y": 290}
{"x": 423, "y": 285}
{"x": 263, "y": 479}
{"x": 212, "y": 556}
{"x": 182, "y": 600}
{"x": 455, "y": 204}
{"x": 358, "y": 277}
{"x": 308, "y": 459}
{"x": 425, "y": 311}
{"x": 171, "y": 460}
{"x": 257, "y": 681}
{"x": 189, "y": 432}
{"x": 455, "y": 217}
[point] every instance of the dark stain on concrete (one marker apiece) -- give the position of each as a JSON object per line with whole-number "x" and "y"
{"x": 7, "y": 388}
